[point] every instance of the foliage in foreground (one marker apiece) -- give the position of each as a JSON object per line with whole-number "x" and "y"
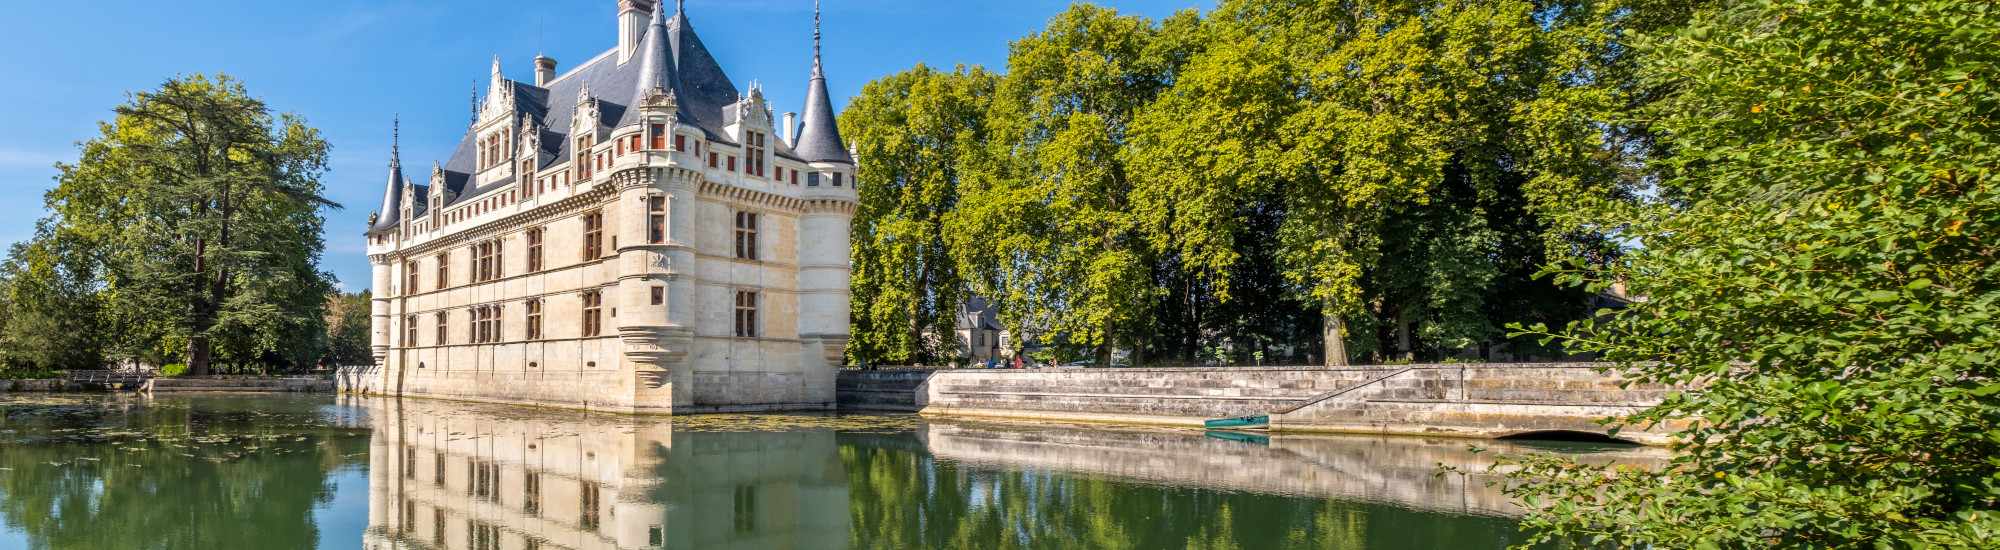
{"x": 1824, "y": 262}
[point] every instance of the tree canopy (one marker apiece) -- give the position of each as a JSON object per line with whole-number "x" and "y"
{"x": 1267, "y": 173}
{"x": 188, "y": 230}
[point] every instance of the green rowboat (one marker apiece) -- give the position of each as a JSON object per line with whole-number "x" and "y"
{"x": 1238, "y": 422}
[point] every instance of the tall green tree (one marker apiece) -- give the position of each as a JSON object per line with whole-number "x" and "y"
{"x": 204, "y": 207}
{"x": 1412, "y": 152}
{"x": 1045, "y": 224}
{"x": 912, "y": 132}
{"x": 348, "y": 341}
{"x": 51, "y": 313}
{"x": 1822, "y": 264}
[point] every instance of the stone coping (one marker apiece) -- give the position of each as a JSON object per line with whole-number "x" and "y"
{"x": 1351, "y": 368}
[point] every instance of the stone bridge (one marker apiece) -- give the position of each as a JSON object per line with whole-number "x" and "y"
{"x": 1469, "y": 400}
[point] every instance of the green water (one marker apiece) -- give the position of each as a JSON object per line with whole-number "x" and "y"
{"x": 274, "y": 472}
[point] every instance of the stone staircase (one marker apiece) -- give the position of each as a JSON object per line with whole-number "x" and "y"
{"x": 1481, "y": 401}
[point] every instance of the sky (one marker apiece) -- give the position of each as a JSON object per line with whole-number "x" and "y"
{"x": 350, "y": 66}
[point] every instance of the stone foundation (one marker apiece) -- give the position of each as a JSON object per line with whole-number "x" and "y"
{"x": 238, "y": 384}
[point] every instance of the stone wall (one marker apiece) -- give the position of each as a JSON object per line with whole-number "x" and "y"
{"x": 1484, "y": 400}
{"x": 1154, "y": 396}
{"x": 239, "y": 384}
{"x": 36, "y": 385}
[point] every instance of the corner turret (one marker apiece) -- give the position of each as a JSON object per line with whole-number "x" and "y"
{"x": 392, "y": 197}
{"x": 819, "y": 138}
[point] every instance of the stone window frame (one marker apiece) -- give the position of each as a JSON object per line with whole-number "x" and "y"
{"x": 534, "y": 307}
{"x": 486, "y": 324}
{"x": 531, "y": 493}
{"x": 527, "y": 178}
{"x": 593, "y": 235}
{"x": 589, "y": 499}
{"x": 593, "y": 309}
{"x": 746, "y": 235}
{"x": 444, "y": 270}
{"x": 413, "y": 277}
{"x": 535, "y": 236}
{"x": 746, "y": 314}
{"x": 755, "y": 145}
{"x": 410, "y": 331}
{"x": 658, "y": 133}
{"x": 443, "y": 328}
{"x": 656, "y": 219}
{"x": 580, "y": 157}
{"x": 482, "y": 261}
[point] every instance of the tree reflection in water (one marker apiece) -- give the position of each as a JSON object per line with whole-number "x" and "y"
{"x": 169, "y": 473}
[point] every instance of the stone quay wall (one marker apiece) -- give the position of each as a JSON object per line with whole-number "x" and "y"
{"x": 1480, "y": 401}
{"x": 239, "y": 384}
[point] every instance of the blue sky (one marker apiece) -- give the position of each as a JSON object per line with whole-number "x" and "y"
{"x": 349, "y": 66}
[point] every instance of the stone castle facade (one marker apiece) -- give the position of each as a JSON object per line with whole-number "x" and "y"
{"x": 633, "y": 235}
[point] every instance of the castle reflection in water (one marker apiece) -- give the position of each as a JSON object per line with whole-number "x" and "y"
{"x": 449, "y": 475}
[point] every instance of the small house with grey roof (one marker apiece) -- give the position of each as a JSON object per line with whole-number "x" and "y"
{"x": 636, "y": 233}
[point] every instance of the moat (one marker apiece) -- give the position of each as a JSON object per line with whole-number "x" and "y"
{"x": 315, "y": 471}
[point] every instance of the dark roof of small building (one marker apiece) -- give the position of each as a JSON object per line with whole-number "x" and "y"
{"x": 980, "y": 313}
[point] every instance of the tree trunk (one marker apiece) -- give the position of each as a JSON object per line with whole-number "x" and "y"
{"x": 197, "y": 350}
{"x": 1104, "y": 351}
{"x": 198, "y": 356}
{"x": 1336, "y": 338}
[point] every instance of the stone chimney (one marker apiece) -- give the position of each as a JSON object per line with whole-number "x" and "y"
{"x": 545, "y": 70}
{"x": 632, "y": 16}
{"x": 791, "y": 128}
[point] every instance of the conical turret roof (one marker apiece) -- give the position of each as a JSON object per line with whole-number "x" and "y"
{"x": 392, "y": 197}
{"x": 819, "y": 136}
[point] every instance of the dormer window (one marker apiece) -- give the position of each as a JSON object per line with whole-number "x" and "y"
{"x": 659, "y": 133}
{"x": 753, "y": 161}
{"x": 527, "y": 178}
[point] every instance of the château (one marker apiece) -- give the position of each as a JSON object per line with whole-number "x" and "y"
{"x": 636, "y": 234}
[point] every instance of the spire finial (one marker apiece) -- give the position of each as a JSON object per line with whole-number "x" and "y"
{"x": 815, "y": 34}
{"x": 475, "y": 103}
{"x": 396, "y": 140}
